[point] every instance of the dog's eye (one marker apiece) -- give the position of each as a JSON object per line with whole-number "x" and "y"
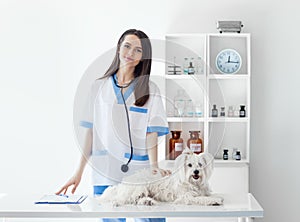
{"x": 189, "y": 165}
{"x": 200, "y": 164}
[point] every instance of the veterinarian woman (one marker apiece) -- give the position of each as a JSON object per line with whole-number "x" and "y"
{"x": 124, "y": 118}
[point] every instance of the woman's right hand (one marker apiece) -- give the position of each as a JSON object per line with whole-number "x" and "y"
{"x": 75, "y": 180}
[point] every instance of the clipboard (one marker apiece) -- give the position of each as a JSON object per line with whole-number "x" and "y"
{"x": 61, "y": 199}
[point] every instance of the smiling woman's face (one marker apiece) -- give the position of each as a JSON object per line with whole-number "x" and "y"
{"x": 131, "y": 51}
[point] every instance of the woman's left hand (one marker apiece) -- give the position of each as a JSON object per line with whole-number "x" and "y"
{"x": 161, "y": 171}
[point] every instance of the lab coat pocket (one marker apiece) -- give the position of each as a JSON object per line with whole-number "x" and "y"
{"x": 138, "y": 117}
{"x": 138, "y": 122}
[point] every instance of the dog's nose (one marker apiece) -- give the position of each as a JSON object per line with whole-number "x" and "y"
{"x": 196, "y": 172}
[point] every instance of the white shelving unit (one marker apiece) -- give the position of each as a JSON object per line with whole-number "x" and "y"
{"x": 212, "y": 87}
{"x": 208, "y": 88}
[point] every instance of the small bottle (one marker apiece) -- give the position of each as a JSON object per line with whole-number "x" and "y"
{"x": 194, "y": 142}
{"x": 175, "y": 145}
{"x": 199, "y": 66}
{"x": 189, "y": 108}
{"x": 236, "y": 112}
{"x": 191, "y": 69}
{"x": 186, "y": 66}
{"x": 242, "y": 111}
{"x": 234, "y": 150}
{"x": 238, "y": 155}
{"x": 198, "y": 109}
{"x": 222, "y": 113}
{"x": 214, "y": 111}
{"x": 179, "y": 103}
{"x": 230, "y": 111}
{"x": 225, "y": 154}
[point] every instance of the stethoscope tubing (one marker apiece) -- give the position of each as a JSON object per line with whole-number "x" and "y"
{"x": 124, "y": 167}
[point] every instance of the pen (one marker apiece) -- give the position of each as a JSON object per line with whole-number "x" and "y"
{"x": 63, "y": 195}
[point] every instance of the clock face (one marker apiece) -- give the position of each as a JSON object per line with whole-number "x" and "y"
{"x": 228, "y": 61}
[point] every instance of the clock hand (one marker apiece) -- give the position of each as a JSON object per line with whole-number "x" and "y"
{"x": 232, "y": 62}
{"x": 228, "y": 59}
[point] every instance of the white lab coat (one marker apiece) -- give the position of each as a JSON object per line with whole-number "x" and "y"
{"x": 107, "y": 116}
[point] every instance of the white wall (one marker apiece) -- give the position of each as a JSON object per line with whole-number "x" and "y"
{"x": 46, "y": 46}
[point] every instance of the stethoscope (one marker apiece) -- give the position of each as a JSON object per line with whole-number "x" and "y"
{"x": 124, "y": 167}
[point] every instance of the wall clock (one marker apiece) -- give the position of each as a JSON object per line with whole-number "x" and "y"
{"x": 228, "y": 61}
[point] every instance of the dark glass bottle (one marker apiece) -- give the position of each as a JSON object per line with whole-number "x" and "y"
{"x": 238, "y": 155}
{"x": 175, "y": 145}
{"x": 191, "y": 69}
{"x": 242, "y": 111}
{"x": 225, "y": 154}
{"x": 214, "y": 111}
{"x": 194, "y": 142}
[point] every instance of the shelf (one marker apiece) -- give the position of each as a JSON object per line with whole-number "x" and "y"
{"x": 169, "y": 164}
{"x": 228, "y": 76}
{"x": 221, "y": 161}
{"x": 227, "y": 34}
{"x": 228, "y": 119}
{"x": 185, "y": 119}
{"x": 182, "y": 35}
{"x": 183, "y": 76}
{"x": 212, "y": 87}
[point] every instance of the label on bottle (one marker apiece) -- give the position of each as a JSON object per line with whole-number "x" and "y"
{"x": 214, "y": 113}
{"x": 195, "y": 147}
{"x": 191, "y": 70}
{"x": 242, "y": 113}
{"x": 178, "y": 146}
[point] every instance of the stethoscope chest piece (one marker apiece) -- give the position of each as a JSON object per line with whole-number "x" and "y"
{"x": 124, "y": 168}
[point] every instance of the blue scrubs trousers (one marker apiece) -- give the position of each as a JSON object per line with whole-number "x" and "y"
{"x": 98, "y": 190}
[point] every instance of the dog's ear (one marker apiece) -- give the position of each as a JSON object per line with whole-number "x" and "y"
{"x": 208, "y": 161}
{"x": 180, "y": 164}
{"x": 179, "y": 161}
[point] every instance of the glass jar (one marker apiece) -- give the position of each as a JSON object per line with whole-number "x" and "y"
{"x": 175, "y": 145}
{"x": 230, "y": 111}
{"x": 185, "y": 66}
{"x": 222, "y": 113}
{"x": 242, "y": 111}
{"x": 194, "y": 142}
{"x": 199, "y": 66}
{"x": 225, "y": 154}
{"x": 189, "y": 109}
{"x": 179, "y": 103}
{"x": 214, "y": 111}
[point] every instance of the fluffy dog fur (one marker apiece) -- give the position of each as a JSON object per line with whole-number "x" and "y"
{"x": 188, "y": 184}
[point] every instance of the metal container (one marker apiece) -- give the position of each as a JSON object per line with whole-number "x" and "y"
{"x": 229, "y": 26}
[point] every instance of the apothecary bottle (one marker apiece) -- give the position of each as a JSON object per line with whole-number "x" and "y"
{"x": 230, "y": 111}
{"x": 191, "y": 69}
{"x": 242, "y": 111}
{"x": 225, "y": 154}
{"x": 186, "y": 66}
{"x": 175, "y": 145}
{"x": 179, "y": 103}
{"x": 194, "y": 142}
{"x": 214, "y": 111}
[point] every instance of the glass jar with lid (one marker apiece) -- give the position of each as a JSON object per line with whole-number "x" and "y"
{"x": 194, "y": 142}
{"x": 175, "y": 145}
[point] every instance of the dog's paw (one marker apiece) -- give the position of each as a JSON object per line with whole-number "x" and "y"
{"x": 216, "y": 201}
{"x": 146, "y": 201}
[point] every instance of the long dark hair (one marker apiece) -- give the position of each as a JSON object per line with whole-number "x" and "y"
{"x": 142, "y": 70}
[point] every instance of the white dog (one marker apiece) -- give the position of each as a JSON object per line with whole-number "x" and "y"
{"x": 188, "y": 184}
